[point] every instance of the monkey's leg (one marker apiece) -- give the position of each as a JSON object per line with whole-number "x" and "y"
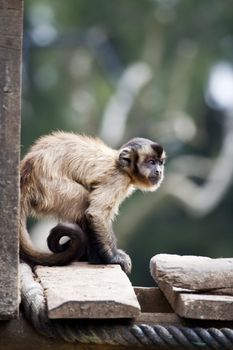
{"x": 102, "y": 241}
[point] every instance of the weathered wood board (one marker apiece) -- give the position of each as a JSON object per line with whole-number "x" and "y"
{"x": 11, "y": 29}
{"x": 81, "y": 290}
{"x": 192, "y": 291}
{"x": 193, "y": 272}
{"x": 198, "y": 305}
{"x": 204, "y": 306}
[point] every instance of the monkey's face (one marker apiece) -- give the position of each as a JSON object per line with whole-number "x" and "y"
{"x": 143, "y": 160}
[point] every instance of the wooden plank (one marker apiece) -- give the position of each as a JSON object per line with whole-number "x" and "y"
{"x": 81, "y": 290}
{"x": 11, "y": 28}
{"x": 205, "y": 307}
{"x": 199, "y": 306}
{"x": 193, "y": 272}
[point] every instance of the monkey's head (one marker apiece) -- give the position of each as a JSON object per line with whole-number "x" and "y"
{"x": 143, "y": 160}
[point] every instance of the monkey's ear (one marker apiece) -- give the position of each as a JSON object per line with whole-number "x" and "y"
{"x": 125, "y": 157}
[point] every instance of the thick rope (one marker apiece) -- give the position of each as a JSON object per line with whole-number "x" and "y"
{"x": 35, "y": 310}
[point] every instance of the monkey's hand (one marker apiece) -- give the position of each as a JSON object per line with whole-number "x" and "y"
{"x": 123, "y": 259}
{"x": 118, "y": 257}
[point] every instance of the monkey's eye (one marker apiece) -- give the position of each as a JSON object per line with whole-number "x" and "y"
{"x": 151, "y": 161}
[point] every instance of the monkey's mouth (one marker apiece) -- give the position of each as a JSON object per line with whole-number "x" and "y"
{"x": 154, "y": 179}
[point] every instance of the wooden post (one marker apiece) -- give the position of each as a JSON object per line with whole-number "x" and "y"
{"x": 11, "y": 29}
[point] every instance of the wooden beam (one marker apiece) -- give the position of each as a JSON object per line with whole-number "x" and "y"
{"x": 165, "y": 319}
{"x": 81, "y": 290}
{"x": 11, "y": 29}
{"x": 152, "y": 300}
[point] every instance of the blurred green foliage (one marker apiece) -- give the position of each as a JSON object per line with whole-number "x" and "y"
{"x": 75, "y": 53}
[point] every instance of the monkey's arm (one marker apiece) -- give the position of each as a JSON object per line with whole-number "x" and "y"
{"x": 104, "y": 202}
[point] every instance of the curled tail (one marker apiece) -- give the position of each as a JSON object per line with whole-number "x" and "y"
{"x": 62, "y": 253}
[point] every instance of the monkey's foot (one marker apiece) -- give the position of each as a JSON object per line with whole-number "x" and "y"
{"x": 123, "y": 260}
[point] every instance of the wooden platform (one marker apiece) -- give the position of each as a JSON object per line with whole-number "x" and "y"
{"x": 81, "y": 290}
{"x": 155, "y": 311}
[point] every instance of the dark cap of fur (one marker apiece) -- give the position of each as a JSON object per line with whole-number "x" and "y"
{"x": 139, "y": 142}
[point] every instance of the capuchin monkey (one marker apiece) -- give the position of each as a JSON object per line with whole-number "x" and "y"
{"x": 81, "y": 181}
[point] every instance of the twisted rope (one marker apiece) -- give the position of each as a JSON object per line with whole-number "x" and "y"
{"x": 163, "y": 337}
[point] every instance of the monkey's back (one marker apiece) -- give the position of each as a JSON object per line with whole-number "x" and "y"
{"x": 61, "y": 154}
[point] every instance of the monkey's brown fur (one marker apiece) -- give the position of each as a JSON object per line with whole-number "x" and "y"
{"x": 80, "y": 180}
